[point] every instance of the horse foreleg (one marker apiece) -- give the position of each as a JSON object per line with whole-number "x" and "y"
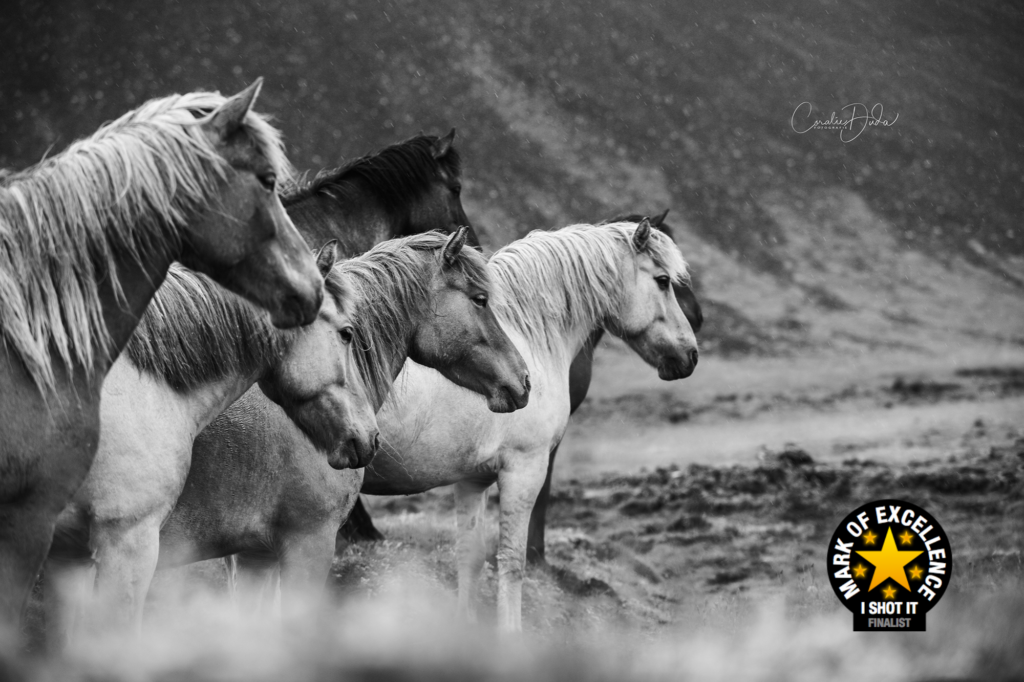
{"x": 470, "y": 500}
{"x": 126, "y": 559}
{"x": 251, "y": 578}
{"x": 67, "y": 589}
{"x": 305, "y": 565}
{"x": 518, "y": 488}
{"x": 538, "y": 517}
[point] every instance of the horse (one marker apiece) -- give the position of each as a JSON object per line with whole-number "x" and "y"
{"x": 556, "y": 288}
{"x": 195, "y": 351}
{"x": 86, "y": 238}
{"x": 579, "y": 383}
{"x": 259, "y": 490}
{"x": 360, "y": 524}
{"x": 406, "y": 188}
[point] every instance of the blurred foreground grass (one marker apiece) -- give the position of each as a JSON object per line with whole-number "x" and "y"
{"x": 704, "y": 574}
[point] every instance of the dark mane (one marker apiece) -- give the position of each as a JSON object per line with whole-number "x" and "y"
{"x": 194, "y": 332}
{"x": 397, "y": 174}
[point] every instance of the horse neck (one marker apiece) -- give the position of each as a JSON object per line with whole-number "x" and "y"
{"x": 204, "y": 403}
{"x": 565, "y": 341}
{"x": 356, "y": 218}
{"x": 139, "y": 280}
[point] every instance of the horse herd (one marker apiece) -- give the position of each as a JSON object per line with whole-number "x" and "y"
{"x": 183, "y": 378}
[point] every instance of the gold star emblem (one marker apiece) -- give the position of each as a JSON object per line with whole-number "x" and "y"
{"x": 860, "y": 571}
{"x": 906, "y": 538}
{"x": 915, "y": 572}
{"x": 869, "y": 538}
{"x": 889, "y": 592}
{"x": 889, "y": 562}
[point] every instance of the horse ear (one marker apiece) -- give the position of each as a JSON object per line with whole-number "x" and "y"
{"x": 443, "y": 145}
{"x": 642, "y": 234}
{"x": 657, "y": 220}
{"x": 327, "y": 257}
{"x": 228, "y": 118}
{"x": 454, "y": 245}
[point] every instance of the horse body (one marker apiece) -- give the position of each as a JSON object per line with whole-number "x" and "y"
{"x": 86, "y": 238}
{"x": 617, "y": 277}
{"x": 411, "y": 304}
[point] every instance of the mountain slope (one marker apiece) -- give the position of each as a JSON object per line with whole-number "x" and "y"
{"x": 904, "y": 236}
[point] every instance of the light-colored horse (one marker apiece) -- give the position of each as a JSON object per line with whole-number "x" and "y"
{"x": 258, "y": 490}
{"x": 557, "y": 287}
{"x": 196, "y": 350}
{"x": 86, "y": 237}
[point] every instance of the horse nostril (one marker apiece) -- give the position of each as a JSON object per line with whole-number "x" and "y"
{"x": 376, "y": 442}
{"x": 693, "y": 357}
{"x": 526, "y": 381}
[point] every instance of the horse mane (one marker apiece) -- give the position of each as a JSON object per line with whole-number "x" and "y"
{"x": 195, "y": 331}
{"x": 396, "y": 174}
{"x": 559, "y": 280}
{"x": 128, "y": 189}
{"x": 392, "y": 283}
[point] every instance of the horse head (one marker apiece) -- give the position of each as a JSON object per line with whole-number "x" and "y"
{"x": 246, "y": 241}
{"x": 316, "y": 380}
{"x": 439, "y": 205}
{"x": 650, "y": 319}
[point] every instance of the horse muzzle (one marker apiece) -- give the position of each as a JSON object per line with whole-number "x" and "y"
{"x": 678, "y": 368}
{"x": 355, "y": 453}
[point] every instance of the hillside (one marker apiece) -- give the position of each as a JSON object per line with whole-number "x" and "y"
{"x": 906, "y": 237}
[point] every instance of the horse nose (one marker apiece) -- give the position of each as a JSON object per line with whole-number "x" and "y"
{"x": 693, "y": 358}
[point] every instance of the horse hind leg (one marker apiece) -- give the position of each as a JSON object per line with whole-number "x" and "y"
{"x": 470, "y": 503}
{"x": 252, "y": 581}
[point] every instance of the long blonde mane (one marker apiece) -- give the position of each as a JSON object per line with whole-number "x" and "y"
{"x": 128, "y": 190}
{"x": 556, "y": 282}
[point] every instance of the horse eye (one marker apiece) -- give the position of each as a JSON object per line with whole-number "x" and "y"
{"x": 480, "y": 300}
{"x": 268, "y": 180}
{"x": 346, "y": 334}
{"x": 457, "y": 189}
{"x": 663, "y": 282}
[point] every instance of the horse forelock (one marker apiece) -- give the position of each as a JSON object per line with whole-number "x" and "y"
{"x": 127, "y": 190}
{"x": 398, "y": 174}
{"x": 195, "y": 332}
{"x": 570, "y": 279}
{"x": 393, "y": 286}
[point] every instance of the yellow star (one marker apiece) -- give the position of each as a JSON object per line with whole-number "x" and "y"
{"x": 906, "y": 538}
{"x": 915, "y": 572}
{"x": 869, "y": 538}
{"x": 860, "y": 571}
{"x": 889, "y": 592}
{"x": 889, "y": 562}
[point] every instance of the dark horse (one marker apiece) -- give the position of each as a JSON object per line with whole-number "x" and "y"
{"x": 360, "y": 525}
{"x": 408, "y": 188}
{"x": 405, "y": 189}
